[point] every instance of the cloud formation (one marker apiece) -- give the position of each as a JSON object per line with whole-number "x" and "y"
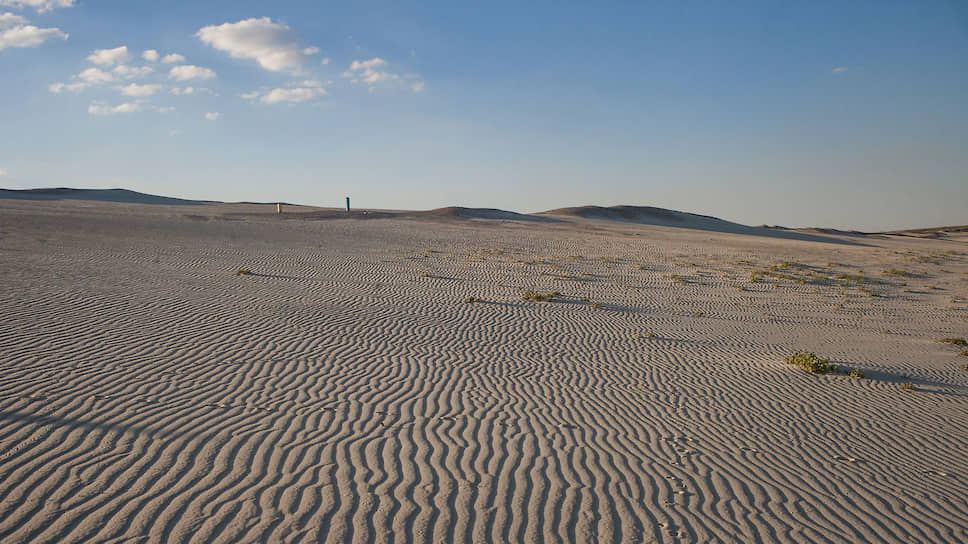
{"x": 100, "y": 108}
{"x": 839, "y": 69}
{"x": 28, "y": 36}
{"x": 300, "y": 91}
{"x": 211, "y": 116}
{"x": 94, "y": 76}
{"x": 139, "y": 90}
{"x": 10, "y": 19}
{"x": 40, "y": 5}
{"x": 108, "y": 57}
{"x": 172, "y": 58}
{"x": 272, "y": 45}
{"x": 294, "y": 94}
{"x": 150, "y": 55}
{"x": 372, "y": 72}
{"x": 188, "y": 71}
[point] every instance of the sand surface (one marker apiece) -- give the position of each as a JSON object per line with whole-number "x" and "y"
{"x": 346, "y": 392}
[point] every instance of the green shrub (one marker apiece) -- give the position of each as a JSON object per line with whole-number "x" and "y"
{"x": 955, "y": 341}
{"x": 811, "y": 363}
{"x": 535, "y": 296}
{"x": 857, "y": 373}
{"x": 243, "y": 272}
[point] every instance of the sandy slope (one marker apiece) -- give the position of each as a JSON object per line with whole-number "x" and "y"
{"x": 346, "y": 392}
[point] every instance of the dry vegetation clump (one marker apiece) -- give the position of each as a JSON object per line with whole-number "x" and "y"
{"x": 243, "y": 272}
{"x": 535, "y": 296}
{"x": 954, "y": 341}
{"x": 812, "y": 364}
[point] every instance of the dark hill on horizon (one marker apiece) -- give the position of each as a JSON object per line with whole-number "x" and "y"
{"x": 99, "y": 195}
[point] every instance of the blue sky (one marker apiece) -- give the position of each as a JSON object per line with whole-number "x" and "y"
{"x": 842, "y": 114}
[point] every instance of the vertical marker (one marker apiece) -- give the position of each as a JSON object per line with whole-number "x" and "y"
{"x": 347, "y": 203}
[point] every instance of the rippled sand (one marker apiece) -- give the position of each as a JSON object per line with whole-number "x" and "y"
{"x": 345, "y": 391}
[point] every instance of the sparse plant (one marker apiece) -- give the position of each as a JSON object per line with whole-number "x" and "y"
{"x": 908, "y": 386}
{"x": 596, "y": 306}
{"x": 857, "y": 373}
{"x": 699, "y": 314}
{"x": 651, "y": 334}
{"x": 954, "y": 341}
{"x": 243, "y": 272}
{"x": 964, "y": 353}
{"x": 896, "y": 272}
{"x": 471, "y": 300}
{"x": 811, "y": 363}
{"x": 535, "y": 296}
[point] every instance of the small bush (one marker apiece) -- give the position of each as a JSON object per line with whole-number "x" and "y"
{"x": 964, "y": 353}
{"x": 908, "y": 386}
{"x": 811, "y": 363}
{"x": 954, "y": 341}
{"x": 535, "y": 296}
{"x": 243, "y": 272}
{"x": 857, "y": 373}
{"x": 472, "y": 300}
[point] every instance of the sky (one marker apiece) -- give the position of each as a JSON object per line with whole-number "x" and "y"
{"x": 834, "y": 114}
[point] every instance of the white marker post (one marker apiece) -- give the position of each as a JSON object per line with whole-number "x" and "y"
{"x": 278, "y": 207}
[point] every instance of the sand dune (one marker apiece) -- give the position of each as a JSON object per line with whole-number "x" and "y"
{"x": 101, "y": 195}
{"x": 345, "y": 391}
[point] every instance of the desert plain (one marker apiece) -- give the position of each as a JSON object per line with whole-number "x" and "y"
{"x": 206, "y": 372}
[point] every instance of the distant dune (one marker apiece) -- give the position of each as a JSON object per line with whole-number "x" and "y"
{"x": 648, "y": 215}
{"x": 457, "y": 212}
{"x": 644, "y": 215}
{"x": 101, "y": 195}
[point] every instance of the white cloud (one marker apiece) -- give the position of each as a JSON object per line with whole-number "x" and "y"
{"x": 3, "y": 172}
{"x": 9, "y": 19}
{"x": 28, "y": 36}
{"x": 150, "y": 55}
{"x": 139, "y": 90}
{"x": 172, "y": 58}
{"x": 39, "y": 5}
{"x": 128, "y": 72}
{"x": 99, "y": 108}
{"x": 107, "y": 57}
{"x": 188, "y": 71}
{"x": 325, "y": 61}
{"x": 272, "y": 45}
{"x": 75, "y": 87}
{"x": 165, "y": 109}
{"x": 211, "y": 116}
{"x": 93, "y": 76}
{"x": 369, "y": 72}
{"x": 182, "y": 90}
{"x": 250, "y": 96}
{"x": 839, "y": 69}
{"x": 295, "y": 94}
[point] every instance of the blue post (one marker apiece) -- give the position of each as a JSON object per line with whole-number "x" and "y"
{"x": 347, "y": 203}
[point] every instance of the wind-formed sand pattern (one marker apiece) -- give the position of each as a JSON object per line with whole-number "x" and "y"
{"x": 344, "y": 391}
